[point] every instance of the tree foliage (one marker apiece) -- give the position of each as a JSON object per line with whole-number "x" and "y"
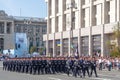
{"x": 116, "y": 34}
{"x": 32, "y": 49}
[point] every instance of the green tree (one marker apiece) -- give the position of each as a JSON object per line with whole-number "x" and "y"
{"x": 32, "y": 49}
{"x": 116, "y": 35}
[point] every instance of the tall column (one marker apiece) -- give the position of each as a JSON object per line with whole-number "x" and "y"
{"x": 61, "y": 45}
{"x": 91, "y": 13}
{"x": 115, "y": 10}
{"x": 104, "y": 12}
{"x": 54, "y": 49}
{"x": 71, "y": 29}
{"x": 48, "y": 26}
{"x": 118, "y": 10}
{"x": 5, "y": 27}
{"x": 90, "y": 29}
{"x": 80, "y": 14}
{"x": 12, "y": 27}
{"x": 47, "y": 45}
{"x": 90, "y": 42}
{"x": 63, "y": 23}
{"x": 69, "y": 44}
{"x": 102, "y": 41}
{"x": 79, "y": 42}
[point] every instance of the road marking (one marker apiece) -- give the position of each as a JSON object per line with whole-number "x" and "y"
{"x": 53, "y": 78}
{"x": 101, "y": 78}
{"x": 109, "y": 75}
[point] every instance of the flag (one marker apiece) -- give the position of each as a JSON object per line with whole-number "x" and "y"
{"x": 58, "y": 43}
{"x": 76, "y": 52}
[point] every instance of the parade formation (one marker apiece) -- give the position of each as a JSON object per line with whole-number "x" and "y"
{"x": 77, "y": 67}
{"x": 74, "y": 66}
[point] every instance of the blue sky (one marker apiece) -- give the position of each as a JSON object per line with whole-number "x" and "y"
{"x": 26, "y": 8}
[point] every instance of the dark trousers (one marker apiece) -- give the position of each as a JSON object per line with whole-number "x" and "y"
{"x": 68, "y": 70}
{"x": 93, "y": 69}
{"x": 109, "y": 67}
{"x": 75, "y": 71}
{"x": 100, "y": 66}
{"x": 86, "y": 69}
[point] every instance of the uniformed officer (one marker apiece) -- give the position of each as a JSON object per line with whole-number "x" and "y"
{"x": 30, "y": 66}
{"x": 93, "y": 67}
{"x": 34, "y": 62}
{"x": 39, "y": 65}
{"x": 68, "y": 66}
{"x": 53, "y": 66}
{"x": 86, "y": 65}
{"x": 75, "y": 68}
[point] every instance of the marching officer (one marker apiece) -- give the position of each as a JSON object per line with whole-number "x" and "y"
{"x": 75, "y": 68}
{"x": 93, "y": 67}
{"x": 68, "y": 66}
{"x": 86, "y": 65}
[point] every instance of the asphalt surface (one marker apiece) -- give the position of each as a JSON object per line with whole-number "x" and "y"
{"x": 103, "y": 75}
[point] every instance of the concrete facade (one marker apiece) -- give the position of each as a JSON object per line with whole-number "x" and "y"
{"x": 33, "y": 27}
{"x": 84, "y": 24}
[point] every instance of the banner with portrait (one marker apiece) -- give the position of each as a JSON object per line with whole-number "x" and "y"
{"x": 21, "y": 47}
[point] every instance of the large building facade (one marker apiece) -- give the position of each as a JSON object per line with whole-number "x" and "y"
{"x": 34, "y": 28}
{"x": 85, "y": 24}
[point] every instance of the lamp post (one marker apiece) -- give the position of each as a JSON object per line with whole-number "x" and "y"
{"x": 72, "y": 6}
{"x": 28, "y": 32}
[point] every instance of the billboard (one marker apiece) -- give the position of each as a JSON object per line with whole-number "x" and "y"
{"x": 21, "y": 46}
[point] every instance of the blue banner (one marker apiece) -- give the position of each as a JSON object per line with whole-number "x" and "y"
{"x": 21, "y": 46}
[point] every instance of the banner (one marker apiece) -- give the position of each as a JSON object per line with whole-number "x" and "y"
{"x": 21, "y": 46}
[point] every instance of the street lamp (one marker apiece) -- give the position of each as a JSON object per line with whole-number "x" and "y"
{"x": 72, "y": 6}
{"x": 28, "y": 32}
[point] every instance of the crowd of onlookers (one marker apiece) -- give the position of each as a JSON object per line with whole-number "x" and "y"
{"x": 108, "y": 63}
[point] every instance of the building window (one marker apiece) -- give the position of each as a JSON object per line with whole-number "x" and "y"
{"x": 1, "y": 27}
{"x": 107, "y": 12}
{"x": 75, "y": 44}
{"x": 85, "y": 45}
{"x": 1, "y": 43}
{"x": 57, "y": 46}
{"x": 44, "y": 30}
{"x": 96, "y": 40}
{"x": 65, "y": 47}
{"x": 8, "y": 28}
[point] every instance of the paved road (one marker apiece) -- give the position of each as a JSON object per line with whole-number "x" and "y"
{"x": 1, "y": 63}
{"x": 103, "y": 75}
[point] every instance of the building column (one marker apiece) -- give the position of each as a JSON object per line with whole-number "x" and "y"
{"x": 80, "y": 14}
{"x": 5, "y": 27}
{"x": 90, "y": 29}
{"x": 12, "y": 27}
{"x": 91, "y": 13}
{"x": 47, "y": 46}
{"x": 90, "y": 42}
{"x": 54, "y": 43}
{"x": 115, "y": 10}
{"x": 79, "y": 42}
{"x": 69, "y": 44}
{"x": 48, "y": 27}
{"x": 61, "y": 45}
{"x": 104, "y": 12}
{"x": 102, "y": 41}
{"x": 118, "y": 10}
